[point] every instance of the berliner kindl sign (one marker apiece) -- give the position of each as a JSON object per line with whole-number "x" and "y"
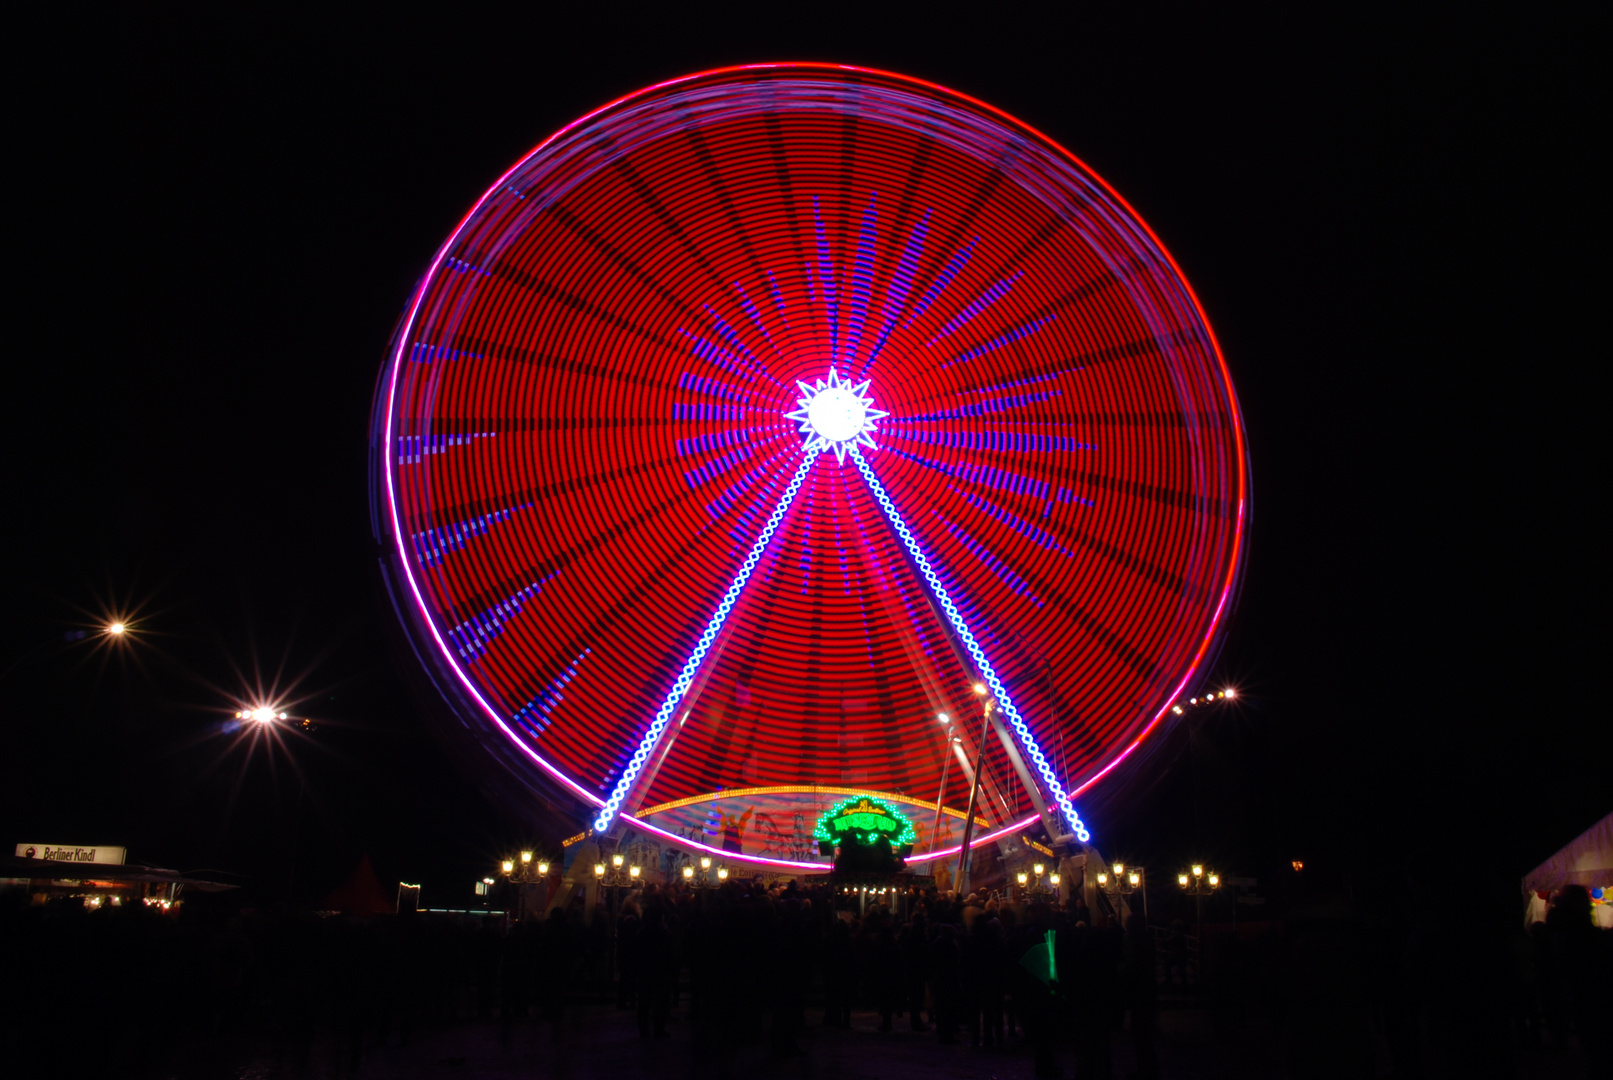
{"x": 71, "y": 853}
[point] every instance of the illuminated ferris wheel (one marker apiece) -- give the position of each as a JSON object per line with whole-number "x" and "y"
{"x": 747, "y": 424}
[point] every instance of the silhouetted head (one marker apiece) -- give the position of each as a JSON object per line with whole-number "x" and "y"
{"x": 1571, "y": 910}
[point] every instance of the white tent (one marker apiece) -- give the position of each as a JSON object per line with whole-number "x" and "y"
{"x": 1586, "y": 860}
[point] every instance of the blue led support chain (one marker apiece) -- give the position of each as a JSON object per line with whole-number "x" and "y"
{"x": 692, "y": 666}
{"x": 999, "y": 691}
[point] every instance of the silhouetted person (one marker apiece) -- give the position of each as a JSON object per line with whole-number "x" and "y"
{"x": 885, "y": 969}
{"x": 1140, "y": 985}
{"x": 653, "y": 967}
{"x": 946, "y": 981}
{"x": 838, "y": 971}
{"x": 627, "y": 959}
{"x": 790, "y": 952}
{"x": 1582, "y": 957}
{"x": 914, "y": 944}
{"x": 985, "y": 956}
{"x": 1037, "y": 1004}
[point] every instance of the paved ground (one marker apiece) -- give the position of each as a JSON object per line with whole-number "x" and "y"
{"x": 601, "y": 1043}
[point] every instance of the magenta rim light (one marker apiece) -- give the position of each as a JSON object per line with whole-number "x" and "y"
{"x": 983, "y": 524}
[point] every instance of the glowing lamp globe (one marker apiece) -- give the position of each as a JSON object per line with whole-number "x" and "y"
{"x": 754, "y": 420}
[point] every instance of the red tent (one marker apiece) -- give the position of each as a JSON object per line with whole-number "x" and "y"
{"x": 361, "y": 894}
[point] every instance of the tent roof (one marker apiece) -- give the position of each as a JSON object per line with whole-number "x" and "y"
{"x": 361, "y": 894}
{"x": 1586, "y": 860}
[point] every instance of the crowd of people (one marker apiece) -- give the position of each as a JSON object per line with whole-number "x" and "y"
{"x": 755, "y": 956}
{"x": 752, "y": 964}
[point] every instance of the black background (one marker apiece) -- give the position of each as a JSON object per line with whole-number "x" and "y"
{"x": 1392, "y": 222}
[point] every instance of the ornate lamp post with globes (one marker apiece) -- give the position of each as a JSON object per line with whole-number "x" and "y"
{"x": 1123, "y": 883}
{"x": 1198, "y": 885}
{"x": 522, "y": 872}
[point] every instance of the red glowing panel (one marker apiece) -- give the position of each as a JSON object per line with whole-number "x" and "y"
{"x": 581, "y": 432}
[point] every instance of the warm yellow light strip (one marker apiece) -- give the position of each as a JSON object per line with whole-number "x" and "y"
{"x": 799, "y": 789}
{"x": 572, "y": 840}
{"x": 1044, "y": 850}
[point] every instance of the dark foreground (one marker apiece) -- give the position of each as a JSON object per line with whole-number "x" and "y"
{"x": 600, "y": 1041}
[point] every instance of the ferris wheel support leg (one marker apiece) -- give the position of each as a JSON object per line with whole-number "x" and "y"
{"x": 659, "y": 727}
{"x": 988, "y": 674}
{"x": 1050, "y": 821}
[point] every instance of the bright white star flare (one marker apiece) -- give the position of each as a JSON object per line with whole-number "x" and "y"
{"x": 836, "y": 414}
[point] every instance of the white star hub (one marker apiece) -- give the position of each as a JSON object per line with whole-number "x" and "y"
{"x": 836, "y": 415}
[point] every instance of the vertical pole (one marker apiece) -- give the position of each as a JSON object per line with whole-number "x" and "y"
{"x": 946, "y": 763}
{"x": 974, "y": 795}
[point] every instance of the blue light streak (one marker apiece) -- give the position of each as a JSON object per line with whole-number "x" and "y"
{"x": 998, "y": 690}
{"x": 691, "y": 667}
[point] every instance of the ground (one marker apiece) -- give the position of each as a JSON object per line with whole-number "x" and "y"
{"x": 602, "y": 1043}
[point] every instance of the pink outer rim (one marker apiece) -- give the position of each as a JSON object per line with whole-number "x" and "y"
{"x": 436, "y": 264}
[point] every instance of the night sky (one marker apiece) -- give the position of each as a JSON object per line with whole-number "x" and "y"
{"x": 1392, "y": 225}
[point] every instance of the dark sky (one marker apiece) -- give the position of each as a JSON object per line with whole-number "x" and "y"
{"x": 1392, "y": 224}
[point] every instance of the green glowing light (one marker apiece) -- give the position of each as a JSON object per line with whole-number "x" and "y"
{"x": 862, "y": 819}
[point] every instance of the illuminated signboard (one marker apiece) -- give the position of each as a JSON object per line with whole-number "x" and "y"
{"x": 71, "y": 853}
{"x": 862, "y": 820}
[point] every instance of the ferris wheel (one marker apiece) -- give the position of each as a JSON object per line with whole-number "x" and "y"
{"x": 747, "y": 425}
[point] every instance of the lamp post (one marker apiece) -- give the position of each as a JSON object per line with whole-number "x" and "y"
{"x": 698, "y": 877}
{"x": 1032, "y": 884}
{"x": 946, "y": 763}
{"x": 524, "y": 870}
{"x": 1124, "y": 883}
{"x": 1198, "y": 885}
{"x": 974, "y": 788}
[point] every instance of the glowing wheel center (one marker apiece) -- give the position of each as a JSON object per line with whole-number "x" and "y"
{"x": 836, "y": 414}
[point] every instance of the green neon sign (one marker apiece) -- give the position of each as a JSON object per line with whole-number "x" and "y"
{"x": 862, "y": 820}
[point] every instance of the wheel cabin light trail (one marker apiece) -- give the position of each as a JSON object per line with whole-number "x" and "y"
{"x": 740, "y": 428}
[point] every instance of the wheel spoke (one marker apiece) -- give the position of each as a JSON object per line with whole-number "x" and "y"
{"x": 691, "y": 667}
{"x": 1043, "y": 767}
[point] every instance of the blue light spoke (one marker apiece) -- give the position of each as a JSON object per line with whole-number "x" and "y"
{"x": 710, "y": 387}
{"x": 989, "y": 560}
{"x": 1043, "y": 767}
{"x": 435, "y": 545}
{"x": 954, "y": 265}
{"x": 691, "y": 667}
{"x": 984, "y": 301}
{"x": 862, "y": 282}
{"x": 750, "y": 310}
{"x": 901, "y": 284}
{"x": 413, "y": 449}
{"x": 1018, "y": 333}
{"x": 826, "y": 268}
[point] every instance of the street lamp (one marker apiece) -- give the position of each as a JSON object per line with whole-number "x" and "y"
{"x": 524, "y": 874}
{"x": 722, "y": 873}
{"x": 1198, "y": 885}
{"x": 1123, "y": 883}
{"x": 946, "y": 763}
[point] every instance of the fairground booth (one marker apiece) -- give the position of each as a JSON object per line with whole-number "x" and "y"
{"x": 98, "y": 876}
{"x": 1587, "y": 861}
